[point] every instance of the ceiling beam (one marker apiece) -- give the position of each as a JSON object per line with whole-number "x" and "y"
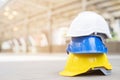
{"x": 116, "y": 14}
{"x": 113, "y": 9}
{"x": 95, "y": 2}
{"x": 39, "y": 6}
{"x": 108, "y": 4}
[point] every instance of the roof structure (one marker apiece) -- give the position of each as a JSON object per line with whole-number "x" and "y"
{"x": 18, "y": 17}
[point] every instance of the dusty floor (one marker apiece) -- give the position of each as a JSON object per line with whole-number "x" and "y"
{"x": 47, "y": 67}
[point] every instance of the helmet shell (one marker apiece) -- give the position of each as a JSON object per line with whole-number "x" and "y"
{"x": 87, "y": 23}
{"x": 86, "y": 44}
{"x": 78, "y": 64}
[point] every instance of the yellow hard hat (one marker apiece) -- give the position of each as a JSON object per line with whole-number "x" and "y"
{"x": 81, "y": 63}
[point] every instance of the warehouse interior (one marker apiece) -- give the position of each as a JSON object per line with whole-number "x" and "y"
{"x": 34, "y": 41}
{"x": 40, "y": 26}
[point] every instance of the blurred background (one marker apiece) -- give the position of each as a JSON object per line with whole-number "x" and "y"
{"x": 40, "y": 26}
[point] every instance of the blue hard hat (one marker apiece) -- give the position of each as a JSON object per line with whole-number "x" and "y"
{"x": 86, "y": 44}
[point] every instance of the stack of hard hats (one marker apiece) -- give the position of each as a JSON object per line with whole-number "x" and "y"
{"x": 86, "y": 49}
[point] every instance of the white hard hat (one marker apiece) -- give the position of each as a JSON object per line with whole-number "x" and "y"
{"x": 87, "y": 23}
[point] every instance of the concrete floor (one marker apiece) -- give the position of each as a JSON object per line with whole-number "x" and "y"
{"x": 47, "y": 67}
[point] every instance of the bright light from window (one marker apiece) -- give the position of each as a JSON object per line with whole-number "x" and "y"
{"x": 3, "y": 2}
{"x": 14, "y": 13}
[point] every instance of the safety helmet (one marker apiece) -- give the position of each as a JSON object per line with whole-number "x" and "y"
{"x": 87, "y": 23}
{"x": 87, "y": 45}
{"x": 82, "y": 63}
